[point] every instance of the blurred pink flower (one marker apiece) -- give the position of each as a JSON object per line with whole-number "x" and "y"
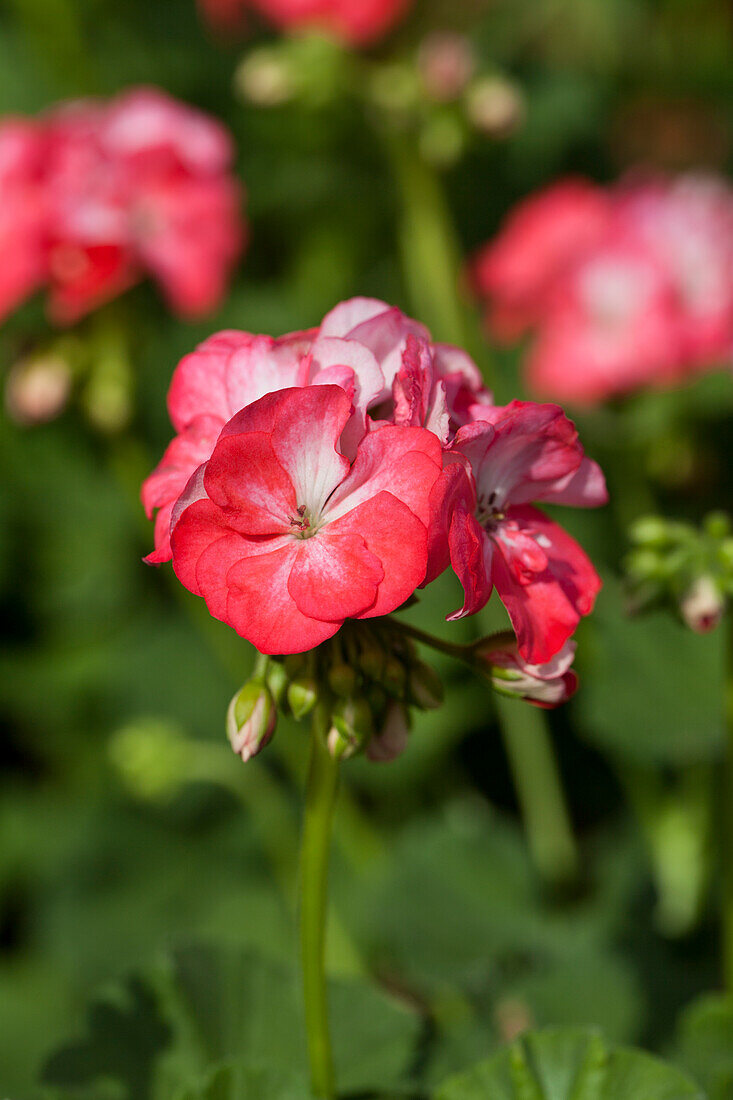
{"x": 22, "y": 211}
{"x": 355, "y": 22}
{"x": 624, "y": 288}
{"x": 95, "y": 195}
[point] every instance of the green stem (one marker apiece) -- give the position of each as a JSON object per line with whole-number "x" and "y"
{"x": 539, "y": 790}
{"x": 534, "y": 768}
{"x": 459, "y": 652}
{"x": 319, "y": 808}
{"x": 728, "y": 820}
{"x": 430, "y": 251}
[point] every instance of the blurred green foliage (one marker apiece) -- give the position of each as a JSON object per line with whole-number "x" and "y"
{"x": 444, "y": 941}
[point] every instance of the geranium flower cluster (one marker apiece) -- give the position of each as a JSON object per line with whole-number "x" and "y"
{"x": 94, "y": 195}
{"x": 623, "y": 287}
{"x": 354, "y": 22}
{"x": 326, "y": 475}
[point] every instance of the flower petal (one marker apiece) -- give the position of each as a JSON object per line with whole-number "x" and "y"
{"x": 246, "y": 480}
{"x": 471, "y": 555}
{"x": 334, "y": 576}
{"x": 546, "y": 608}
{"x": 261, "y": 608}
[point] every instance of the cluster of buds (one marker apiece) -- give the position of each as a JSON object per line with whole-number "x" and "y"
{"x": 690, "y": 568}
{"x": 364, "y": 683}
{"x": 441, "y": 93}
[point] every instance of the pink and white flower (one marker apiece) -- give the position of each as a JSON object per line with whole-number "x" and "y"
{"x": 361, "y": 346}
{"x": 484, "y": 525}
{"x": 285, "y": 538}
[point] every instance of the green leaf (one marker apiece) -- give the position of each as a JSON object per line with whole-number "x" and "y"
{"x": 632, "y": 703}
{"x": 705, "y": 1044}
{"x": 228, "y": 1009}
{"x": 569, "y": 1064}
{"x": 126, "y": 1037}
{"x": 238, "y": 1082}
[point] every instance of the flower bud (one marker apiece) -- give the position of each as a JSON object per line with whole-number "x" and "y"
{"x": 342, "y": 679}
{"x": 251, "y": 719}
{"x": 442, "y": 139}
{"x": 37, "y": 389}
{"x": 495, "y": 106}
{"x": 425, "y": 687}
{"x": 545, "y": 686}
{"x": 302, "y": 696}
{"x": 446, "y": 62}
{"x": 394, "y": 677}
{"x": 649, "y": 531}
{"x": 702, "y": 605}
{"x": 352, "y": 726}
{"x": 391, "y": 741}
{"x": 276, "y": 679}
{"x": 717, "y": 525}
{"x": 151, "y": 757}
{"x": 265, "y": 78}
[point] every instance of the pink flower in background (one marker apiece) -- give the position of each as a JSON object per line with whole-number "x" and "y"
{"x": 277, "y": 509}
{"x": 541, "y": 238}
{"x": 102, "y": 194}
{"x": 687, "y": 224}
{"x": 355, "y": 22}
{"x": 624, "y": 288}
{"x": 22, "y": 220}
{"x": 610, "y": 327}
{"x": 484, "y": 524}
{"x": 362, "y": 346}
{"x": 140, "y": 185}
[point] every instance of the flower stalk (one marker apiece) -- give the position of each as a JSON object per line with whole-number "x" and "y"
{"x": 320, "y": 801}
{"x": 728, "y": 820}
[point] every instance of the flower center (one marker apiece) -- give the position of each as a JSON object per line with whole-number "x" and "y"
{"x": 303, "y": 526}
{"x": 488, "y": 513}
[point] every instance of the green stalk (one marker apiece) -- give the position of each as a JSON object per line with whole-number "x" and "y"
{"x": 539, "y": 788}
{"x": 728, "y": 821}
{"x": 534, "y": 769}
{"x": 430, "y": 251}
{"x": 320, "y": 801}
{"x": 431, "y": 264}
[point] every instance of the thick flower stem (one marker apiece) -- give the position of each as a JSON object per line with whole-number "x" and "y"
{"x": 728, "y": 820}
{"x": 320, "y": 801}
{"x": 539, "y": 791}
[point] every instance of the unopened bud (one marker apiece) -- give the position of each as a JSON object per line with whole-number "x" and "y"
{"x": 394, "y": 677}
{"x": 352, "y": 726}
{"x": 425, "y": 687}
{"x": 37, "y": 389}
{"x": 353, "y": 719}
{"x": 446, "y": 62}
{"x": 372, "y": 659}
{"x": 649, "y": 531}
{"x": 342, "y": 679}
{"x": 702, "y": 605}
{"x": 391, "y": 741}
{"x": 395, "y": 87}
{"x": 276, "y": 679}
{"x": 725, "y": 554}
{"x": 251, "y": 719}
{"x": 265, "y": 78}
{"x": 495, "y": 106}
{"x": 547, "y": 685}
{"x": 302, "y": 696}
